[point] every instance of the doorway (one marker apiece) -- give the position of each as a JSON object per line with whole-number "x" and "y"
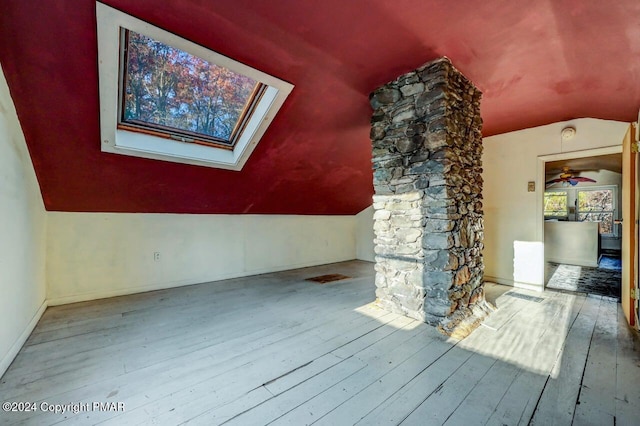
{"x": 580, "y": 217}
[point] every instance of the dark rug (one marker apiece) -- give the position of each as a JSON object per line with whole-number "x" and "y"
{"x": 323, "y": 279}
{"x": 583, "y": 279}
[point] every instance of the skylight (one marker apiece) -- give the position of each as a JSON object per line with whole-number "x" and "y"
{"x": 172, "y": 91}
{"x": 166, "y": 98}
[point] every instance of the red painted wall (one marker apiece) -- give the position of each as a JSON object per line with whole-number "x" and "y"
{"x": 536, "y": 64}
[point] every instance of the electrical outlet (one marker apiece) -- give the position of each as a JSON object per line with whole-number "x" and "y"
{"x": 156, "y": 256}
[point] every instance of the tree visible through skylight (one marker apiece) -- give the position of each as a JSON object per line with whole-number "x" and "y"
{"x": 166, "y": 88}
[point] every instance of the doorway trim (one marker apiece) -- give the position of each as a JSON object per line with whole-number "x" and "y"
{"x": 540, "y": 183}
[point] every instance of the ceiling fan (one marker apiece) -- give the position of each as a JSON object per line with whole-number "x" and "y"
{"x": 568, "y": 177}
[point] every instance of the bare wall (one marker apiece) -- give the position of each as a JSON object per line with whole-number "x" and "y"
{"x": 95, "y": 255}
{"x": 513, "y": 250}
{"x": 23, "y": 232}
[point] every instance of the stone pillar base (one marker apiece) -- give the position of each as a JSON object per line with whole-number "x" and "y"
{"x": 462, "y": 322}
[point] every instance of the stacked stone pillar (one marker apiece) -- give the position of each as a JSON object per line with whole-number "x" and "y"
{"x": 427, "y": 148}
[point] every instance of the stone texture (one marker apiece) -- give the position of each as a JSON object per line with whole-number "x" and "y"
{"x": 426, "y": 134}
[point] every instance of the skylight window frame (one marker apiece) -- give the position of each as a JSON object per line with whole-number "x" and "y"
{"x": 122, "y": 138}
{"x": 182, "y": 135}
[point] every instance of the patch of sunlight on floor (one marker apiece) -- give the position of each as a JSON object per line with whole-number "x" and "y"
{"x": 528, "y": 328}
{"x": 525, "y": 333}
{"x": 565, "y": 277}
{"x": 371, "y": 310}
{"x": 374, "y": 311}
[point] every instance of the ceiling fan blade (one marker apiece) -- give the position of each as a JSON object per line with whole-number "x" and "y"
{"x": 582, "y": 179}
{"x": 550, "y": 182}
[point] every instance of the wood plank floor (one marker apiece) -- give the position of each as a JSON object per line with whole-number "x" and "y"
{"x": 276, "y": 349}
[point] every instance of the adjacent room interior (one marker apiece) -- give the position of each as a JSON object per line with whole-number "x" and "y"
{"x": 318, "y": 213}
{"x": 582, "y": 235}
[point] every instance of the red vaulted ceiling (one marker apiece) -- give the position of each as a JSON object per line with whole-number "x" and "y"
{"x": 536, "y": 62}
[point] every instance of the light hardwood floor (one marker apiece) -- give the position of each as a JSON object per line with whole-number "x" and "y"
{"x": 275, "y": 349}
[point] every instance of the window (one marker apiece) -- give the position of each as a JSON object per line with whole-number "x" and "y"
{"x": 590, "y": 204}
{"x": 165, "y": 98}
{"x": 555, "y": 204}
{"x": 170, "y": 91}
{"x": 597, "y": 205}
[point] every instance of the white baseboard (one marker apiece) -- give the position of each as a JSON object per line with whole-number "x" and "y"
{"x": 569, "y": 261}
{"x": 85, "y": 297}
{"x": 13, "y": 352}
{"x": 497, "y": 280}
{"x": 527, "y": 286}
{"x": 516, "y": 284}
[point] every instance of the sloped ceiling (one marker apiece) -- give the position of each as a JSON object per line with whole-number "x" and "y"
{"x": 536, "y": 63}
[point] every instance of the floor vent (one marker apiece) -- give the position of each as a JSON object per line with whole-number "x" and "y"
{"x": 525, "y": 297}
{"x": 323, "y": 279}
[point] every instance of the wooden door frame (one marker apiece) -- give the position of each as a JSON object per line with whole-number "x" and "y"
{"x": 630, "y": 226}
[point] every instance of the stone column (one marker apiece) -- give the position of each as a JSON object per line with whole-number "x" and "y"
{"x": 427, "y": 149}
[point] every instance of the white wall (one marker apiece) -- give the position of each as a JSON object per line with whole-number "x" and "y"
{"x": 22, "y": 236}
{"x": 365, "y": 235}
{"x": 513, "y": 216}
{"x": 573, "y": 243}
{"x": 94, "y": 255}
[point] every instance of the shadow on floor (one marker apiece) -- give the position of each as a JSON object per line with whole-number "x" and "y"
{"x": 493, "y": 291}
